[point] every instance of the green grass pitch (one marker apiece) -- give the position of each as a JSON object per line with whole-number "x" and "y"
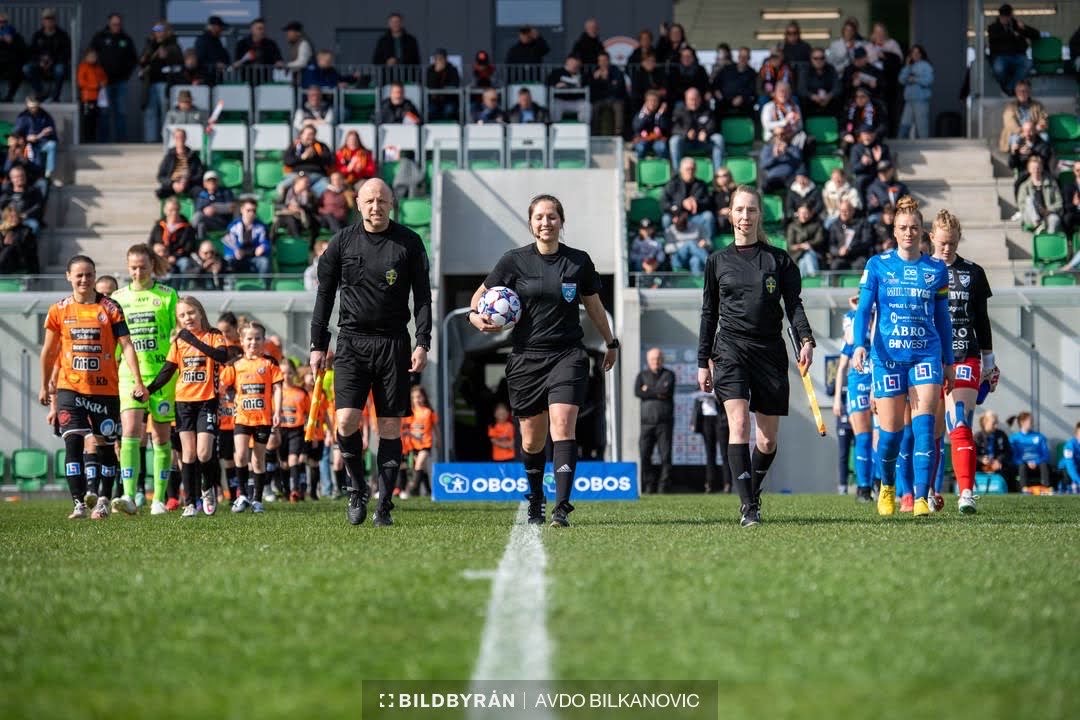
{"x": 824, "y": 611}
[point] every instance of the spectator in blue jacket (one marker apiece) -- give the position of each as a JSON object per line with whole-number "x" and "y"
{"x": 917, "y": 77}
{"x": 1031, "y": 453}
{"x": 780, "y": 163}
{"x": 39, "y": 129}
{"x": 247, "y": 243}
{"x": 321, "y": 73}
{"x": 1070, "y": 461}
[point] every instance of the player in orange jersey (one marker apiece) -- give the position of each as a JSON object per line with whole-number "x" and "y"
{"x": 226, "y": 449}
{"x": 82, "y": 332}
{"x": 257, "y": 380}
{"x": 422, "y": 430}
{"x": 295, "y": 405}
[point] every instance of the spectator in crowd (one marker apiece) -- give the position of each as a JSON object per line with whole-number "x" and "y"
{"x": 49, "y": 57}
{"x": 688, "y": 246}
{"x": 19, "y": 155}
{"x": 655, "y": 387}
{"x": 1008, "y": 39}
{"x": 1074, "y": 50}
{"x": 803, "y": 190}
{"x": 780, "y": 163}
{"x": 686, "y": 192}
{"x": 1020, "y": 110}
{"x": 694, "y": 130}
{"x": 861, "y": 74}
{"x": 37, "y": 126}
{"x": 993, "y": 452}
{"x": 315, "y": 111}
{"x": 397, "y": 109}
{"x": 647, "y": 77}
{"x": 850, "y": 240}
{"x": 773, "y": 71}
{"x": 607, "y": 91}
{"x": 247, "y": 242}
{"x": 722, "y": 188}
{"x": 1070, "y": 197}
{"x": 12, "y": 57}
{"x": 311, "y": 274}
{"x": 489, "y": 111}
{"x": 842, "y": 50}
{"x": 300, "y": 51}
{"x": 256, "y": 48}
{"x": 566, "y": 84}
{"x": 25, "y": 198}
{"x": 442, "y": 75}
{"x": 917, "y": 79}
{"x": 176, "y": 234}
{"x": 161, "y": 59}
{"x": 185, "y": 112}
{"x": 530, "y": 48}
{"x": 864, "y": 157}
{"x": 191, "y": 73}
{"x": 181, "y": 170}
{"x": 210, "y": 51}
{"x": 646, "y": 252}
{"x": 1040, "y": 199}
{"x": 806, "y": 241}
{"x": 116, "y": 52}
{"x": 888, "y": 58}
{"x": 671, "y": 43}
{"x": 309, "y": 157}
{"x": 1024, "y": 146}
{"x": 886, "y": 189}
{"x": 795, "y": 49}
{"x": 215, "y": 206}
{"x": 1031, "y": 455}
{"x": 527, "y": 111}
{"x": 820, "y": 88}
{"x": 781, "y": 115}
{"x": 396, "y": 47}
{"x": 334, "y": 203}
{"x": 483, "y": 70}
{"x": 322, "y": 73}
{"x": 298, "y": 215}
{"x": 686, "y": 74}
{"x": 91, "y": 81}
{"x": 1069, "y": 464}
{"x": 884, "y": 229}
{"x": 588, "y": 46}
{"x": 863, "y": 111}
{"x": 723, "y": 59}
{"x": 355, "y": 162}
{"x": 738, "y": 86}
{"x": 18, "y": 246}
{"x": 838, "y": 190}
{"x": 206, "y": 268}
{"x": 644, "y": 45}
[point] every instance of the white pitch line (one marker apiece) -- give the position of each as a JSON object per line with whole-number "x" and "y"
{"x": 515, "y": 643}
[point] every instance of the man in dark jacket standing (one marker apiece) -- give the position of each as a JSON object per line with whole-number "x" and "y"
{"x": 50, "y": 56}
{"x": 589, "y": 46}
{"x": 213, "y": 57}
{"x": 655, "y": 387}
{"x": 396, "y": 47}
{"x": 530, "y": 49}
{"x": 116, "y": 53}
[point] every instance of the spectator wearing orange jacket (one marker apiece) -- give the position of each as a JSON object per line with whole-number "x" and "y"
{"x": 91, "y": 80}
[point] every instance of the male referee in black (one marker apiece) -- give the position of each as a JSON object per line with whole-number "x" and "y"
{"x": 375, "y": 263}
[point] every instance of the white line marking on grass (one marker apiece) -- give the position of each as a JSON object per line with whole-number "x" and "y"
{"x": 515, "y": 644}
{"x": 469, "y": 574}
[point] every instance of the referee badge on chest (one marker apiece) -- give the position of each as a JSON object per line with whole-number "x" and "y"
{"x": 569, "y": 291}
{"x": 391, "y": 276}
{"x": 770, "y": 283}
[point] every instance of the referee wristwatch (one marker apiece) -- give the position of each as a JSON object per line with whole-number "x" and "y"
{"x": 614, "y": 344}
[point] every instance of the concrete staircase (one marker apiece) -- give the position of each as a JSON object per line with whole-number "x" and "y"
{"x": 108, "y": 206}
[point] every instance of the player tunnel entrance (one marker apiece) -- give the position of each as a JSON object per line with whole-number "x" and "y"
{"x": 473, "y": 381}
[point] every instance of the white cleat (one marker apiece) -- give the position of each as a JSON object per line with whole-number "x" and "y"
{"x": 158, "y": 508}
{"x": 79, "y": 513}
{"x": 241, "y": 504}
{"x": 125, "y": 505}
{"x": 189, "y": 511}
{"x": 967, "y": 503}
{"x": 101, "y": 510}
{"x": 209, "y": 501}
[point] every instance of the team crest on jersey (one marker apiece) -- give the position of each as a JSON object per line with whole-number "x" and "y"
{"x": 892, "y": 382}
{"x": 569, "y": 291}
{"x": 101, "y": 317}
{"x": 262, "y": 371}
{"x": 164, "y": 407}
{"x": 770, "y": 284}
{"x": 928, "y": 277}
{"x": 108, "y": 427}
{"x": 391, "y": 276}
{"x": 924, "y": 371}
{"x": 965, "y": 278}
{"x": 157, "y": 303}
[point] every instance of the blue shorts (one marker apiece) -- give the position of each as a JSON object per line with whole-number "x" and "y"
{"x": 858, "y": 391}
{"x": 893, "y": 378}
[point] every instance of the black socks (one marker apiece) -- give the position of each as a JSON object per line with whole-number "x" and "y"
{"x": 389, "y": 460}
{"x": 564, "y": 457}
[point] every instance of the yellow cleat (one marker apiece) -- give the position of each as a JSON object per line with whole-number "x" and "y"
{"x": 922, "y": 508}
{"x": 886, "y": 501}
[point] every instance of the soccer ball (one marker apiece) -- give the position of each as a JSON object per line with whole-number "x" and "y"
{"x": 501, "y": 306}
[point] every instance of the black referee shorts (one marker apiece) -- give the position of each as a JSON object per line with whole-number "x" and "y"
{"x": 752, "y": 370}
{"x": 537, "y": 380}
{"x": 379, "y": 365}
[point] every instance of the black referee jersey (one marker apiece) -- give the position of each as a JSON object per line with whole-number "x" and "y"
{"x": 375, "y": 273}
{"x": 742, "y": 295}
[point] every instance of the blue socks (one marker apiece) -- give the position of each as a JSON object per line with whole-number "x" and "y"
{"x": 864, "y": 459}
{"x": 939, "y": 475}
{"x": 923, "y": 460}
{"x": 903, "y": 464}
{"x": 888, "y": 450}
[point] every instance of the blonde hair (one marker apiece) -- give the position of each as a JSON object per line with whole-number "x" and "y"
{"x": 751, "y": 190}
{"x": 908, "y": 205}
{"x": 946, "y": 221}
{"x": 192, "y": 301}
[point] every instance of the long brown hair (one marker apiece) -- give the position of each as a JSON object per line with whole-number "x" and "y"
{"x": 159, "y": 266}
{"x": 751, "y": 190}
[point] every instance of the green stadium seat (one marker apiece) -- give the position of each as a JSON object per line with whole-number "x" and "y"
{"x": 414, "y": 212}
{"x": 722, "y": 241}
{"x": 641, "y": 208}
{"x": 849, "y": 280}
{"x": 570, "y": 163}
{"x": 265, "y": 212}
{"x": 30, "y": 469}
{"x": 288, "y": 285}
{"x": 251, "y": 284}
{"x": 1064, "y": 129}
{"x": 425, "y": 237}
{"x": 268, "y": 173}
{"x": 656, "y": 193}
{"x": 387, "y": 171}
{"x": 685, "y": 281}
{"x": 703, "y": 169}
{"x": 777, "y": 240}
{"x": 59, "y": 460}
{"x": 813, "y": 281}
{"x": 231, "y": 172}
{"x": 1046, "y": 55}
{"x": 187, "y": 207}
{"x": 825, "y": 130}
{"x": 653, "y": 172}
{"x": 1058, "y": 280}
{"x": 743, "y": 170}
{"x": 11, "y": 285}
{"x": 6, "y": 126}
{"x": 1050, "y": 249}
{"x": 738, "y": 135}
{"x": 822, "y": 166}
{"x": 359, "y": 107}
{"x": 444, "y": 164}
{"x": 291, "y": 254}
{"x": 772, "y": 211}
{"x": 484, "y": 164}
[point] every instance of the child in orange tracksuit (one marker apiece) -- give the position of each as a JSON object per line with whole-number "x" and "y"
{"x": 91, "y": 79}
{"x": 418, "y": 431}
{"x": 501, "y": 434}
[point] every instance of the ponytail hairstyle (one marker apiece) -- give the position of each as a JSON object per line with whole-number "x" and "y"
{"x": 945, "y": 220}
{"x": 192, "y": 301}
{"x": 159, "y": 266}
{"x": 908, "y": 205}
{"x": 761, "y": 237}
{"x": 76, "y": 259}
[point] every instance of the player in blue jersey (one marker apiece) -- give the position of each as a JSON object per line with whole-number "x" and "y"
{"x": 911, "y": 354}
{"x": 1070, "y": 461}
{"x": 858, "y": 385}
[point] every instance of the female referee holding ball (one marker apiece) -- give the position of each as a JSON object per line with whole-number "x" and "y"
{"x": 548, "y": 370}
